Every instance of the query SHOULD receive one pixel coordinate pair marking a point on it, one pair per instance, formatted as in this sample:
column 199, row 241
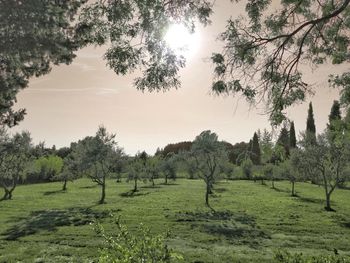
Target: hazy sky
column 70, row 102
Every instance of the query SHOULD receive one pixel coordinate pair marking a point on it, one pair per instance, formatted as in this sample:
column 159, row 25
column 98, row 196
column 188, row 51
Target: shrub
column 125, row 247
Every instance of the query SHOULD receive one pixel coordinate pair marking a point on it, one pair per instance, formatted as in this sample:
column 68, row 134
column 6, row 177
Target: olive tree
column 135, row 171
column 70, row 170
column 97, row 156
column 152, row 170
column 286, row 171
column 169, row 167
column 247, row 168
column 14, row 159
column 269, row 173
column 327, row 161
column 208, row 154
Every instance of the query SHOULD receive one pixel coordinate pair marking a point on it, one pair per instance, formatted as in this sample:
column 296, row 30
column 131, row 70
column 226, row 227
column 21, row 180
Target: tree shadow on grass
column 150, row 187
column 89, row 186
column 311, row 200
column 345, row 224
column 285, row 190
column 168, row 184
column 238, row 228
column 50, row 220
column 132, row 194
column 342, row 220
column 219, row 190
column 55, row 192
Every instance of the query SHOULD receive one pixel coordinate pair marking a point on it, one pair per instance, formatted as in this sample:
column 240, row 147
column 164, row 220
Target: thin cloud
column 84, row 67
column 98, row 91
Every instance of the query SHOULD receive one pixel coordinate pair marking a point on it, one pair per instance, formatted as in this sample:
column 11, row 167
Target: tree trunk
column 135, row 185
column 293, row 191
column 262, row 181
column 64, row 188
column 166, row 179
column 153, row 184
column 207, row 195
column 273, row 184
column 103, row 194
column 328, row 202
column 5, row 197
column 10, row 193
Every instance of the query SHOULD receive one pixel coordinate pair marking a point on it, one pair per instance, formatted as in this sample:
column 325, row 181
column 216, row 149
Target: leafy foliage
column 292, row 136
column 97, row 157
column 125, row 247
column 247, row 168
column 208, row 154
column 169, row 167
column 48, row 167
column 326, row 161
column 135, row 171
column 14, row 160
column 284, row 140
column 255, row 150
column 139, row 43
column 34, row 35
column 37, row 34
column 263, row 50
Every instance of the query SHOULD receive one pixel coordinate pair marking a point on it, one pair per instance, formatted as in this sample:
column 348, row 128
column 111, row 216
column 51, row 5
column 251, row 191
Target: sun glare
column 179, row 38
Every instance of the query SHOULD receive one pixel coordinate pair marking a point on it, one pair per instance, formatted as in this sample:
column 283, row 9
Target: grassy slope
column 45, row 225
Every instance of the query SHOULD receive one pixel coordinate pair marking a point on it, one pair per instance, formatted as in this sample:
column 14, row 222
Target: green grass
column 43, row 224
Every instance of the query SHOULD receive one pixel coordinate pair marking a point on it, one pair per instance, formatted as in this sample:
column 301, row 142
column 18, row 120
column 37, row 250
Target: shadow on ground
column 50, row 220
column 169, row 184
column 238, row 228
column 55, row 192
column 131, row 194
column 285, row 190
column 342, row 220
column 89, row 186
column 311, row 200
column 150, row 187
column 220, row 190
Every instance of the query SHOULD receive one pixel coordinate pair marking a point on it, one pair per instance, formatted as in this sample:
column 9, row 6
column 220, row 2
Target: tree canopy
column 261, row 58
column 263, row 50
column 36, row 34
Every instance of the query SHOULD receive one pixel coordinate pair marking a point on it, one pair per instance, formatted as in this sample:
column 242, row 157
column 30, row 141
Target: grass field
column 43, row 224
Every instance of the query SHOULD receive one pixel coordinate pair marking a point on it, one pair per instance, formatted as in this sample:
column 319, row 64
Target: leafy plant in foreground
column 125, row 247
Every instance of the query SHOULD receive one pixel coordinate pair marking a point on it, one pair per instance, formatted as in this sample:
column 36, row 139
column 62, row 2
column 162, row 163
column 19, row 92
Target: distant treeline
column 234, row 151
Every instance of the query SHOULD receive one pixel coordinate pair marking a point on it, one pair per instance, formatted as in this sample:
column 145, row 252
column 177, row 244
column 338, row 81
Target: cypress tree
column 310, row 126
column 255, row 150
column 335, row 112
column 334, row 118
column 283, row 139
column 292, row 137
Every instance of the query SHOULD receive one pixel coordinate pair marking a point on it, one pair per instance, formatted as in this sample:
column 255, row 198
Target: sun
column 182, row 41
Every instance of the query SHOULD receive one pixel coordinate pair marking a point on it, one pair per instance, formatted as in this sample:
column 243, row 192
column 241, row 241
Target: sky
column 72, row 101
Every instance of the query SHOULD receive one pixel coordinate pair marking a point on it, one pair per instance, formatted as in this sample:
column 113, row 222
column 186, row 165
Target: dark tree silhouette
column 292, row 136
column 263, row 50
column 310, row 126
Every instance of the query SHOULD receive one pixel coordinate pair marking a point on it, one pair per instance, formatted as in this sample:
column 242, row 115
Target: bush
column 124, row 247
